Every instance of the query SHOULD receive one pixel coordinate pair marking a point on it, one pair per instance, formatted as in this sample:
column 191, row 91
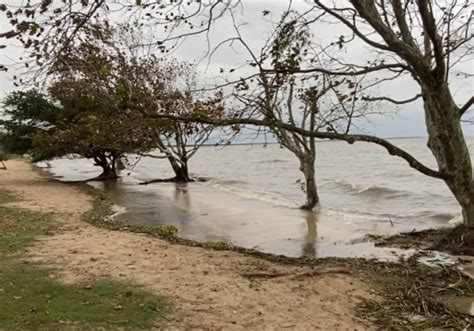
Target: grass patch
column 19, row 228
column 6, row 197
column 31, row 299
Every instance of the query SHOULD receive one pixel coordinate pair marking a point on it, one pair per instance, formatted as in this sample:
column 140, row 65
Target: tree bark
column 307, row 168
column 180, row 170
column 109, row 169
column 107, row 173
column 120, row 164
column 448, row 145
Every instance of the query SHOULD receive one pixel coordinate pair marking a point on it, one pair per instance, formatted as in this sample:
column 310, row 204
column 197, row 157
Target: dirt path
column 209, row 289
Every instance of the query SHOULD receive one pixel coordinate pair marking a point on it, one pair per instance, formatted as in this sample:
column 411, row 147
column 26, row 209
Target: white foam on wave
column 272, row 198
column 116, row 211
column 369, row 189
column 352, row 217
column 456, row 219
column 280, row 201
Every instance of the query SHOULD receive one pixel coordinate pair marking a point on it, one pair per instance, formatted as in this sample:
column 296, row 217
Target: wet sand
column 210, row 289
column 202, row 213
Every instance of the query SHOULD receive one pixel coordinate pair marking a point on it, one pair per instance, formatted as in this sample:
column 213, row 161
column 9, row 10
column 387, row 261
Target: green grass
column 19, row 228
column 30, row 299
column 6, row 197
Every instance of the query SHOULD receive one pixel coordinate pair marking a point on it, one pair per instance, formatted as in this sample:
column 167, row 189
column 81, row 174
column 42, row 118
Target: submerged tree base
column 168, row 180
column 106, row 175
column 308, row 208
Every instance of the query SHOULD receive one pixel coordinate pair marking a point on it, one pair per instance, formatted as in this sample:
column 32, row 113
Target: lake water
column 252, row 194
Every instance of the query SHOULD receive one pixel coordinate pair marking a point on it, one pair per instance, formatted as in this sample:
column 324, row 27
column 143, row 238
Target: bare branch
column 345, row 72
column 397, row 102
column 466, row 107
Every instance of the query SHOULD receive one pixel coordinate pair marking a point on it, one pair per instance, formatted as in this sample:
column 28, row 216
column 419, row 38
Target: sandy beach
column 210, row 290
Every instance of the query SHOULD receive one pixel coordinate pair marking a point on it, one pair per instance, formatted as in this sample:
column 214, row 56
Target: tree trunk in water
column 447, row 143
column 108, row 173
column 180, row 170
column 109, row 169
column 312, row 198
column 120, row 164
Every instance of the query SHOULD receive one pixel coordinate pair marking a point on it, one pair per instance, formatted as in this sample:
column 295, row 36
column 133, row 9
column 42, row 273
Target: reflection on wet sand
column 202, row 213
column 309, row 247
column 181, row 196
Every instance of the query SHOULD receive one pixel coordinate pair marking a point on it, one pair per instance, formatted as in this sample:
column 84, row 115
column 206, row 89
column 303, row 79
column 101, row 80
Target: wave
column 280, row 201
column 371, row 190
column 230, row 182
column 354, row 217
column 272, row 198
column 449, row 218
column 456, row 219
column 270, row 161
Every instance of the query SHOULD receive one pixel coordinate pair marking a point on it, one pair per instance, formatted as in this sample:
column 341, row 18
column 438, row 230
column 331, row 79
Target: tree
column 87, row 113
column 24, row 113
column 71, row 124
column 113, row 88
column 97, row 99
column 102, row 136
column 183, row 139
column 169, row 86
column 312, row 103
column 424, row 40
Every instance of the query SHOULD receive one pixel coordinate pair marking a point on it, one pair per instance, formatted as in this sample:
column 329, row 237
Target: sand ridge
column 210, row 290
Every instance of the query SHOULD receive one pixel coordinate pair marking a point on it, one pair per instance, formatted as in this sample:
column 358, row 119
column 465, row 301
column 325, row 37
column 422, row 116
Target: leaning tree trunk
column 180, row 169
column 447, row 143
column 307, row 168
column 109, row 169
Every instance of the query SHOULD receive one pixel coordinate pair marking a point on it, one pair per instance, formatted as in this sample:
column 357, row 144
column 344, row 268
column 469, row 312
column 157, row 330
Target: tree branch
column 397, row 102
column 350, row 138
column 345, row 72
column 466, row 106
column 352, row 26
column 429, row 25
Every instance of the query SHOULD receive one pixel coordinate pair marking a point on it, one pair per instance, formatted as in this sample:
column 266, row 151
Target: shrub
column 3, row 155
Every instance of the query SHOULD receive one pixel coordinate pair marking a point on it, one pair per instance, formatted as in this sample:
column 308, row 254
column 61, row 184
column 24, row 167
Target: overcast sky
column 407, row 122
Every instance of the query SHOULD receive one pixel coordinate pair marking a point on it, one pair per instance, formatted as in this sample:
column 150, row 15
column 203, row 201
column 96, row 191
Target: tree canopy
column 25, row 113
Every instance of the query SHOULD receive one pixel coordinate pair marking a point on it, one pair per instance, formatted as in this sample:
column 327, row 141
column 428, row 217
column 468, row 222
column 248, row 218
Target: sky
column 406, row 121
